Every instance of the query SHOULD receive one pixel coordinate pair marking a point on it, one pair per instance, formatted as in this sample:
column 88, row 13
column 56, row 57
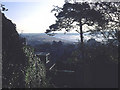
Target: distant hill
column 39, row 38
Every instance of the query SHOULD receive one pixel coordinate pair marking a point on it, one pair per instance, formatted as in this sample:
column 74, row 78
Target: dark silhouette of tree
column 101, row 16
column 3, row 7
column 76, row 14
column 111, row 12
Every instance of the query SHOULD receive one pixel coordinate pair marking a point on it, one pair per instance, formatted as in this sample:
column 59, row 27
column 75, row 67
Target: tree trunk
column 81, row 32
column 81, row 37
column 81, row 59
column 86, row 78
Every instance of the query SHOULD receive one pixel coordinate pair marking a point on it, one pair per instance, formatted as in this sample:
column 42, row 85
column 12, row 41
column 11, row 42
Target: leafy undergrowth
column 35, row 73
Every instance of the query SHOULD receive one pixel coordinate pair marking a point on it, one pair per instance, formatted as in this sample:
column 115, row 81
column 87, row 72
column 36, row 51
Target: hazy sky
column 32, row 16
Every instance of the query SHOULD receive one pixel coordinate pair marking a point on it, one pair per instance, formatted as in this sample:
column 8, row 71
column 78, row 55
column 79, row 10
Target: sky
column 32, row 17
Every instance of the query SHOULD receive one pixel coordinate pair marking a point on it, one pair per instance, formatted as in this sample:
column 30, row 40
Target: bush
column 35, row 73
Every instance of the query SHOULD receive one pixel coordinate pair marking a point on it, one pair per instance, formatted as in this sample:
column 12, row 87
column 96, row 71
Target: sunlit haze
column 32, row 17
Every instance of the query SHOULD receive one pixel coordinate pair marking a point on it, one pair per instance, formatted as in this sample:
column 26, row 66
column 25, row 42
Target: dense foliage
column 20, row 67
column 95, row 65
column 13, row 58
column 99, row 68
column 65, row 50
column 35, row 73
column 83, row 17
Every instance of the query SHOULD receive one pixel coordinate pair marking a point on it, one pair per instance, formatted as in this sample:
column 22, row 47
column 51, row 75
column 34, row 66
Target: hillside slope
column 16, row 62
